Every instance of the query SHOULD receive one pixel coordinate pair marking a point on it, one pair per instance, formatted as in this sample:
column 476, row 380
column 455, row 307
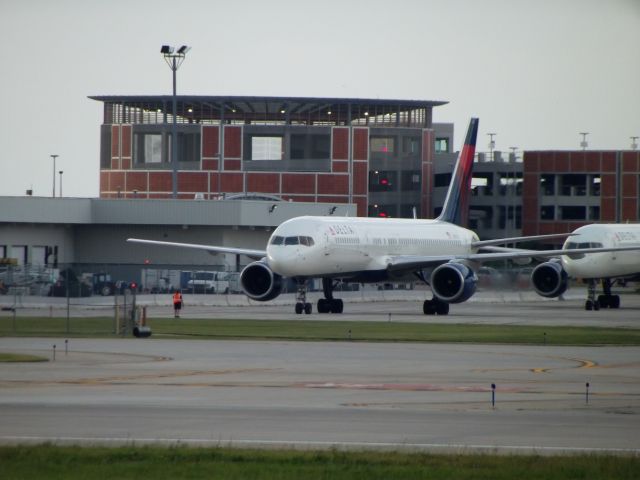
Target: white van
column 209, row 282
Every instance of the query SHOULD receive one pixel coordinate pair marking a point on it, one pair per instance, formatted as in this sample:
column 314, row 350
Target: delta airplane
column 550, row 279
column 439, row 252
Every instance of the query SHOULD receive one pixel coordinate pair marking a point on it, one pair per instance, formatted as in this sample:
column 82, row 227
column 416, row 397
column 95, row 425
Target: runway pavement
column 318, row 395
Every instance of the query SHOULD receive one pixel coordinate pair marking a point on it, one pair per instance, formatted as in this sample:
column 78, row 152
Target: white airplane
column 438, row 252
column 550, row 279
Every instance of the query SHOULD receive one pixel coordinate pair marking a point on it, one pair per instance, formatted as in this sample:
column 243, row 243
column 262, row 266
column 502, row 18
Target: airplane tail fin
column 456, row 204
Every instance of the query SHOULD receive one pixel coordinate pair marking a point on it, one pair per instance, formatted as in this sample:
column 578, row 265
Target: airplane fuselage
column 608, row 264
column 359, row 247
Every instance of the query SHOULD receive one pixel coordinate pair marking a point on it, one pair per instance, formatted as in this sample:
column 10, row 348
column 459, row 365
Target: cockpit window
column 277, row 240
column 308, row 241
column 291, row 241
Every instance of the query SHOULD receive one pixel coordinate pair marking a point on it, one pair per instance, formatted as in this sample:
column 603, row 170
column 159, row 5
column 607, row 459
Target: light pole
column 584, row 143
column 634, row 143
column 53, row 194
column 492, row 144
column 60, row 172
column 174, row 60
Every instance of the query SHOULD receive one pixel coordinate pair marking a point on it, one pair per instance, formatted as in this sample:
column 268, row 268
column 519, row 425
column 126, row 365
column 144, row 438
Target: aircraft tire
column 588, row 305
column 323, row 305
column 299, row 308
column 604, row 301
column 428, row 307
column 307, row 308
column 614, row 301
column 336, row 305
column 442, row 308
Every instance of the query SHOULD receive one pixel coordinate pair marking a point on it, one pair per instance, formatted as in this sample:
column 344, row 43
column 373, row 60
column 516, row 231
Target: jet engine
column 549, row 279
column 259, row 282
column 453, row 282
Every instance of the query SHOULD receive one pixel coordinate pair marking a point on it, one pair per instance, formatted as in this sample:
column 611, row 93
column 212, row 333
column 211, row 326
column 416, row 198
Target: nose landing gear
column 301, row 298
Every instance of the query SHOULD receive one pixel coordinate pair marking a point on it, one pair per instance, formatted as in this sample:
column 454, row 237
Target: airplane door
column 327, row 250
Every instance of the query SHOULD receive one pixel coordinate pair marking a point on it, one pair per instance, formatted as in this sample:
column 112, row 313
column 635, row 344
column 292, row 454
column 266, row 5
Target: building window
column 573, row 213
column 407, row 210
column 154, row 148
column 411, row 145
column 442, row 179
column 548, row 184
column 382, row 181
column 572, row 185
column 594, row 212
column 594, row 187
column 147, row 148
column 105, row 146
column 547, row 212
column 188, row 147
column 266, row 148
column 442, row 145
column 410, row 180
column 382, row 144
column 382, row 211
column 310, row 146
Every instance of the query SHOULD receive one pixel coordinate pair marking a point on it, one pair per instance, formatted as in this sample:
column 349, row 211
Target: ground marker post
column 389, row 317
column 587, row 393
column 54, row 353
column 493, row 395
column 545, row 337
column 66, row 346
column 349, row 334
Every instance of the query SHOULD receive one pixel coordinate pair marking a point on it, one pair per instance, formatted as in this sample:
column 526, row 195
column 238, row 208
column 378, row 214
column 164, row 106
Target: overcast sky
column 536, row 72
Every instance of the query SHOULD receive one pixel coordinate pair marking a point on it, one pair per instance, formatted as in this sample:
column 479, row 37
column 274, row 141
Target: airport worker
column 177, row 303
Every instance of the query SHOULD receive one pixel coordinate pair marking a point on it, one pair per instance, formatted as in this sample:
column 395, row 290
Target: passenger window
column 277, row 240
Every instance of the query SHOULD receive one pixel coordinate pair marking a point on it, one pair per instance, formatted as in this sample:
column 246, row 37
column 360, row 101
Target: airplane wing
column 416, row 262
column 257, row 254
column 502, row 241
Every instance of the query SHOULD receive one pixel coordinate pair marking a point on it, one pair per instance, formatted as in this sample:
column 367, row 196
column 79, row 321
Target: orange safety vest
column 177, row 297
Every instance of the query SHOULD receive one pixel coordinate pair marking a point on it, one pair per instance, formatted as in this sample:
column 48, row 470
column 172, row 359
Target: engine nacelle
column 453, row 282
column 549, row 279
column 259, row 282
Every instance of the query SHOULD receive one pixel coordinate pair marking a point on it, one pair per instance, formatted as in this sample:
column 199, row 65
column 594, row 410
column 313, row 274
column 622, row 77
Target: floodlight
column 166, row 49
column 183, row 49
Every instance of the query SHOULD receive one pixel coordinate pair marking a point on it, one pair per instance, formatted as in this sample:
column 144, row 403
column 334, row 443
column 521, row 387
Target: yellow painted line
column 540, row 370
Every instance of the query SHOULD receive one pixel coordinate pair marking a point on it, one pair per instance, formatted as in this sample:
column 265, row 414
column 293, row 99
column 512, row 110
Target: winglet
column 456, row 204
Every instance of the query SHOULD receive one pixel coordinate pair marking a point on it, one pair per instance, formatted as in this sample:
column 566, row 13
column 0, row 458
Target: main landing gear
column 329, row 304
column 435, row 306
column 301, row 298
column 604, row 301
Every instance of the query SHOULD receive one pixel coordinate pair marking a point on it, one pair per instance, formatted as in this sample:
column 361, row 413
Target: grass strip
column 322, row 330
column 310, row 330
column 18, row 358
column 131, row 462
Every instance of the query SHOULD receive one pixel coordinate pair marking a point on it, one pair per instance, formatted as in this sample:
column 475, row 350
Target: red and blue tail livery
column 456, row 204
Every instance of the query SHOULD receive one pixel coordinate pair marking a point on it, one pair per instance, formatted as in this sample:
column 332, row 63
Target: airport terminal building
column 376, row 154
